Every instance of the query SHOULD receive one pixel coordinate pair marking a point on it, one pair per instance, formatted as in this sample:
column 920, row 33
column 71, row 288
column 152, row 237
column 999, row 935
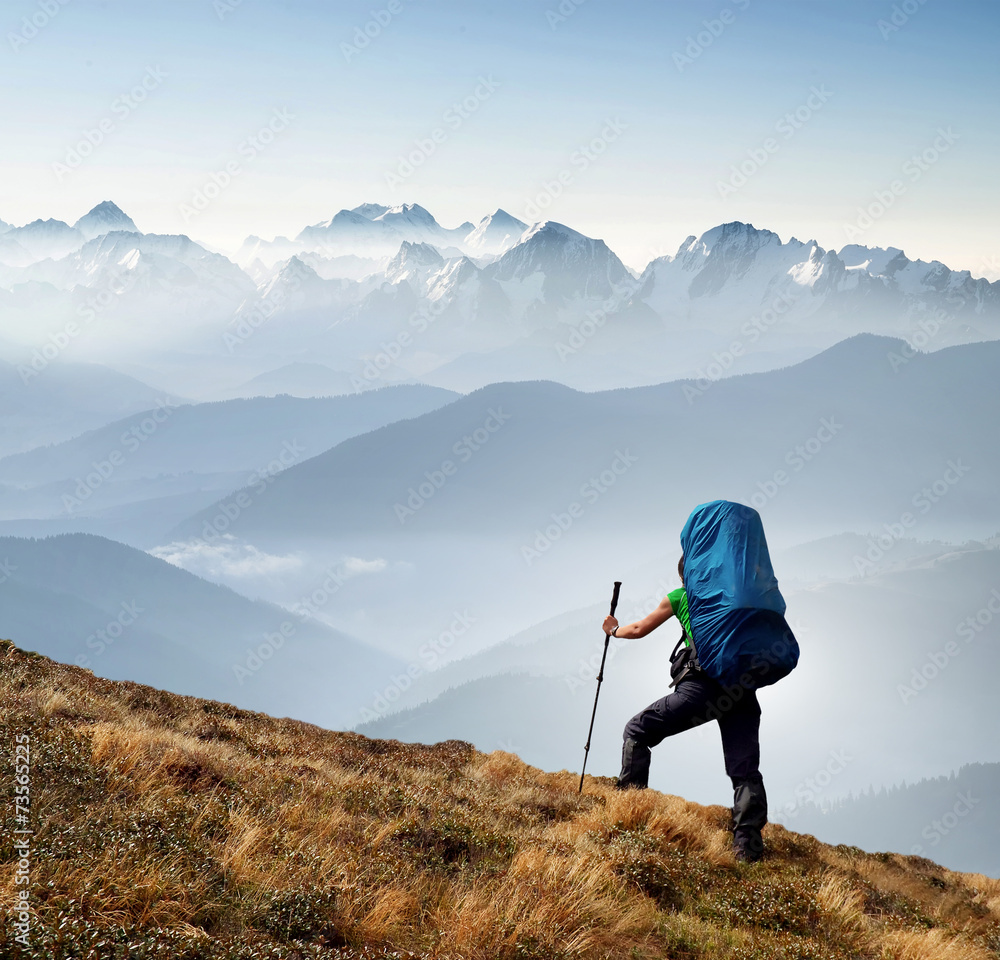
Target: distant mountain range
column 52, row 402
column 386, row 294
column 954, row 820
column 126, row 615
column 541, row 493
column 542, row 446
column 134, row 479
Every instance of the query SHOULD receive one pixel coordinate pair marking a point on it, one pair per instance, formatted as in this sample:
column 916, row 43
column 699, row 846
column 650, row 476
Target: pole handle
column 614, row 597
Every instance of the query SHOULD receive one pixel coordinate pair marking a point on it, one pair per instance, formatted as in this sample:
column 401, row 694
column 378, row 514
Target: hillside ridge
column 165, row 825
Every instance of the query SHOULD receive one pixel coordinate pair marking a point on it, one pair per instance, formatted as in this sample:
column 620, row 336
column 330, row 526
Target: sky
column 637, row 122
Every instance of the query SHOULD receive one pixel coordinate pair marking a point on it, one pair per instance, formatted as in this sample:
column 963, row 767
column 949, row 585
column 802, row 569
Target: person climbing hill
column 735, row 641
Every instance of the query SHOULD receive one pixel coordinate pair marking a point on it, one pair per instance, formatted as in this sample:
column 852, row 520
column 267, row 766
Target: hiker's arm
column 633, row 631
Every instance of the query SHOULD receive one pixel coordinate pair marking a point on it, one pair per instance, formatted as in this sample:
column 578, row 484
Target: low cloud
column 227, row 559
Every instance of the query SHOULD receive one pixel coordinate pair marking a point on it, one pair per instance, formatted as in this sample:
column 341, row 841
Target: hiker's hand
column 609, row 624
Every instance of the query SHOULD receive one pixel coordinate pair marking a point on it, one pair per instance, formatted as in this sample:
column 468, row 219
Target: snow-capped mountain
column 413, row 262
column 104, row 218
column 23, row 246
column 738, row 280
column 494, row 235
column 390, row 292
column 151, row 261
column 571, row 265
column 38, row 240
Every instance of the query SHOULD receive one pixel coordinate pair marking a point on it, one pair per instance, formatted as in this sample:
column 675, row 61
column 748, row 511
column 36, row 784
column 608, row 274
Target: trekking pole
column 600, row 679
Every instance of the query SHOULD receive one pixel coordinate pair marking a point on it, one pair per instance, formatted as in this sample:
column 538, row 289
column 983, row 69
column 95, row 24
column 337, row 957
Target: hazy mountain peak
column 370, row 210
column 40, row 226
column 501, row 216
column 344, row 217
column 423, row 254
column 104, row 218
column 736, row 235
column 871, row 259
column 410, row 213
column 550, row 229
column 495, row 234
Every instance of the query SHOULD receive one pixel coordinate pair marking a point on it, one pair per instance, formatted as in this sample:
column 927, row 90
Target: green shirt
column 679, row 601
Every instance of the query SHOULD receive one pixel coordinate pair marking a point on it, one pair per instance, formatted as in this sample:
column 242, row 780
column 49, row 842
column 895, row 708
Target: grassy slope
column 169, row 826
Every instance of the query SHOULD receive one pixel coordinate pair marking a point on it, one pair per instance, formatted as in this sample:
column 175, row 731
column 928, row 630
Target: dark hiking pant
column 697, row 700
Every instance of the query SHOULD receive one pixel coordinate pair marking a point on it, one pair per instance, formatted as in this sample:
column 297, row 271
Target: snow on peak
column 550, row 230
column 495, row 234
column 104, row 218
column 503, row 218
column 736, row 234
column 416, row 253
column 873, row 260
column 370, row 210
column 408, row 213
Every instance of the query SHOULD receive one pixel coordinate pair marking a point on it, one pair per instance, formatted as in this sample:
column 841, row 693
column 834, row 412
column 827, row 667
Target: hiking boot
column 748, row 846
column 623, row 784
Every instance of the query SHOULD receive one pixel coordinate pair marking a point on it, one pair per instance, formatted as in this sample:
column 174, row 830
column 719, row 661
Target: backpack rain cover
column 735, row 607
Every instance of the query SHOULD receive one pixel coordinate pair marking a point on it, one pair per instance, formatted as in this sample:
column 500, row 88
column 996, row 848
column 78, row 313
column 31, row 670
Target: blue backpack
column 736, row 610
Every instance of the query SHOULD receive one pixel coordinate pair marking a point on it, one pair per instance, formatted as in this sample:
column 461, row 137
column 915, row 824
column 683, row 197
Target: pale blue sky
column 552, row 87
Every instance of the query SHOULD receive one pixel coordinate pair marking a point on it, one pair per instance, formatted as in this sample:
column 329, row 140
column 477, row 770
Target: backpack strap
column 683, row 660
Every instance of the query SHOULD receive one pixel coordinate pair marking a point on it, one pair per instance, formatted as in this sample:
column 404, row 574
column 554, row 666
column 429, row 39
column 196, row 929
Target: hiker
column 747, row 646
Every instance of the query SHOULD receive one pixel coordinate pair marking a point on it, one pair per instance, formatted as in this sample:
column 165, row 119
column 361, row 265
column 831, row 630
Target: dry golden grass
column 169, row 826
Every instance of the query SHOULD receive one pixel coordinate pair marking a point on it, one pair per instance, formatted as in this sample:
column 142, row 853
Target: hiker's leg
column 681, row 710
column 740, row 727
